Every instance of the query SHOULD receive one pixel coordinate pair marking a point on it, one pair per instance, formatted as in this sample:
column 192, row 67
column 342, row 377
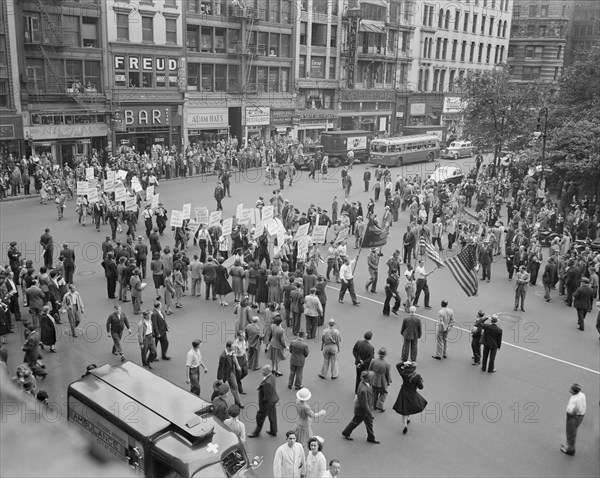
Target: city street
column 510, row 423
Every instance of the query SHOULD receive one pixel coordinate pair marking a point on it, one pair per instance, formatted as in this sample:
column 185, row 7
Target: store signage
column 454, row 104
column 67, row 131
column 147, row 116
column 258, row 115
column 318, row 115
column 207, row 118
column 282, row 117
column 368, row 95
column 417, row 109
column 352, row 39
column 146, row 63
column 7, row 131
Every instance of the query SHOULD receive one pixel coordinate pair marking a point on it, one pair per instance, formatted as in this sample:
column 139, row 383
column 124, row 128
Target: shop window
column 220, row 40
column 171, row 30
column 207, row 78
column 147, row 29
column 319, row 34
column 220, row 77
column 89, row 30
column 273, row 44
column 206, row 44
column 193, row 72
column 317, row 67
column 192, row 38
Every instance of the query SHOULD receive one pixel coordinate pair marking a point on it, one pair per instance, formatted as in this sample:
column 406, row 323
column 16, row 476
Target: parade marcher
column 476, row 333
column 391, row 291
column 73, row 304
column 267, row 401
column 146, row 339
column 411, row 332
column 444, row 325
column 363, row 408
column 409, row 401
column 289, row 461
column 68, row 259
column 492, row 341
column 193, row 362
column 421, row 277
column 363, row 352
column 583, row 298
column 373, row 266
column 576, row 409
column 111, row 274
column 298, row 353
column 347, row 278
column 116, row 323
column 381, row 379
column 141, row 256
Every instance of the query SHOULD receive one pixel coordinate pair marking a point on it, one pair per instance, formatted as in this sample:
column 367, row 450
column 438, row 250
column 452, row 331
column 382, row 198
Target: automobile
column 309, row 152
column 458, row 149
column 447, row 174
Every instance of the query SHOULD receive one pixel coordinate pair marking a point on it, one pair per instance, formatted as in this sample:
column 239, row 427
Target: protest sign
column 214, row 218
column 201, row 214
column 319, row 234
column 227, row 226
column 302, row 231
column 130, row 203
column 82, row 188
column 239, row 210
column 89, row 173
column 111, row 175
column 149, row 193
column 187, row 210
column 154, row 204
column 176, row 218
column 120, row 193
column 267, row 213
column 92, row 195
column 108, row 185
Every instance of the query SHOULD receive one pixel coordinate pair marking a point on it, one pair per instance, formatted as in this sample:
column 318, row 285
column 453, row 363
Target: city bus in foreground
column 403, row 150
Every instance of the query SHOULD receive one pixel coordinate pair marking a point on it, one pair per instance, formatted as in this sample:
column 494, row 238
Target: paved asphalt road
column 506, row 424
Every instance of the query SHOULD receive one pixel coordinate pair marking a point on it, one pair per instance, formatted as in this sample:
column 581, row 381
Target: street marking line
column 540, row 354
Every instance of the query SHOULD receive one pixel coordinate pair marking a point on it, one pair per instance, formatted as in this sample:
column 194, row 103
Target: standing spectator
column 196, row 275
column 110, row 273
column 522, row 281
column 254, row 334
column 298, row 353
column 381, row 379
column 476, row 333
column 178, row 284
column 582, row 301
column 222, row 287
column 146, row 339
column 367, row 179
column 74, row 305
column 219, row 195
column 575, row 412
column 486, row 255
column 312, row 311
column 193, row 361
column 227, row 370
column 209, row 271
column 550, row 277
column 157, row 268
column 68, row 260
column 409, row 401
column 160, row 330
column 14, row 260
column 363, row 409
column 334, row 469
column 220, row 408
column 297, row 306
column 492, row 341
column 141, row 256
column 169, row 293
column 136, row 284
column 421, row 276
column 363, row 353
column 411, row 332
column 289, row 461
column 444, row 325
column 47, row 243
column 277, row 344
column 36, row 299
column 330, row 345
column 267, row 401
column 116, row 323
column 347, row 278
column 306, row 416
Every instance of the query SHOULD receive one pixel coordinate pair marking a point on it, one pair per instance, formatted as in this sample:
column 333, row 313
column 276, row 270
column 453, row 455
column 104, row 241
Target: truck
column 337, row 144
column 154, row 427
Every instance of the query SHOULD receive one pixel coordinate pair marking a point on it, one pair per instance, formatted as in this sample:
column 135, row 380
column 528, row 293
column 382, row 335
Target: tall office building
column 583, row 30
column 538, row 38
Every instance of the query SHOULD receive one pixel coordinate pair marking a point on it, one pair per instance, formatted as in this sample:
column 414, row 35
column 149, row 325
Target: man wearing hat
column 373, row 266
column 582, row 300
column 193, row 362
column 575, row 411
column 135, row 283
column 147, row 215
column 161, row 218
column 476, row 334
column 115, row 325
column 267, row 401
column 220, row 407
column 330, row 345
column 14, row 260
column 68, row 261
column 411, row 332
column 298, row 353
column 492, row 341
column 549, row 277
column 141, row 256
column 363, row 408
column 381, row 379
column 146, row 339
column 219, row 195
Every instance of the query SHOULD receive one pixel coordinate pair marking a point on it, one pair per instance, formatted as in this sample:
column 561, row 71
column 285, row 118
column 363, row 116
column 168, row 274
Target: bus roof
column 406, row 139
column 166, row 401
column 349, row 132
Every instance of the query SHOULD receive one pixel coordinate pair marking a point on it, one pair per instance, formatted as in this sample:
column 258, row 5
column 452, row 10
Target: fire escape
column 247, row 16
column 52, row 48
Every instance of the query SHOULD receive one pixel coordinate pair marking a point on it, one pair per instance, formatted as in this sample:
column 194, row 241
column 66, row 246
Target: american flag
column 431, row 252
column 463, row 269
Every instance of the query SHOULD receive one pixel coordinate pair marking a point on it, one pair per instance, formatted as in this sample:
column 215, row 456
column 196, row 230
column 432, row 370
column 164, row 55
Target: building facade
column 239, row 68
column 583, row 30
column 538, row 38
column 61, row 83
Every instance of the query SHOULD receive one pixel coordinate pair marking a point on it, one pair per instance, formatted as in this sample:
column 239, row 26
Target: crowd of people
column 275, row 284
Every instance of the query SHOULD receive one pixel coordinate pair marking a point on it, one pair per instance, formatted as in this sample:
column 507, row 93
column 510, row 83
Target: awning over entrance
column 371, row 27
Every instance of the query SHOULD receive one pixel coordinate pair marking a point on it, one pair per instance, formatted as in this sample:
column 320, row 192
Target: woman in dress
column 316, row 464
column 178, row 284
column 48, row 329
column 262, row 294
column 251, row 275
column 237, row 279
column 169, row 293
column 274, row 287
column 305, row 417
column 158, row 273
column 277, row 345
column 222, row 287
column 409, row 401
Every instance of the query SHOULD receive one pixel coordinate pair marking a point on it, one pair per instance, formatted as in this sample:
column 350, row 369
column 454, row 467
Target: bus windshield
column 378, row 148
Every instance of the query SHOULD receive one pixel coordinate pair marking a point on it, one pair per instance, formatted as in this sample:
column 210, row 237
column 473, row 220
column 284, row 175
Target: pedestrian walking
column 363, row 409
column 47, row 243
column 409, row 401
column 381, row 379
column 137, row 286
column 476, row 333
column 549, row 277
column 330, row 345
column 373, row 267
column 161, row 329
column 444, row 325
column 575, row 412
column 306, row 417
column 47, row 328
column 111, row 274
column 289, row 461
column 347, row 278
column 240, row 352
column 235, row 424
column 277, row 345
column 492, row 341
column 254, row 336
column 146, row 339
column 298, row 353
column 312, row 311
column 267, row 401
column 73, row 304
column 582, row 301
column 115, row 325
column 363, row 353
column 193, row 362
column 521, row 283
column 68, row 259
column 421, row 277
column 227, row 370
column 316, row 464
column 411, row 332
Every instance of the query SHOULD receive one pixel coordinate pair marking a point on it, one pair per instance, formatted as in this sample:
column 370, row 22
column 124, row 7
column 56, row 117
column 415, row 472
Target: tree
column 499, row 110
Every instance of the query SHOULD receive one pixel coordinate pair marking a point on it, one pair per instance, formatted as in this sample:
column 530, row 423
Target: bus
column 404, row 150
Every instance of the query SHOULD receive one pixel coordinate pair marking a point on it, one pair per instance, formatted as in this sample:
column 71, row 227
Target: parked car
column 447, row 174
column 458, row 149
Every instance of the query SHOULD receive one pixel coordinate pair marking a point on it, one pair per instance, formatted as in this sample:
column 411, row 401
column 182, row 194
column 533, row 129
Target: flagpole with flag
column 431, row 252
column 463, row 268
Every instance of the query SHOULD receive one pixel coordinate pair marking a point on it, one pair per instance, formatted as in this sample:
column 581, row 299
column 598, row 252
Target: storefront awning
column 371, row 27
column 379, row 3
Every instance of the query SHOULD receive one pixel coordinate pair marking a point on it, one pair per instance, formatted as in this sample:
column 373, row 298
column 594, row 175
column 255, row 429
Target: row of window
column 534, row 52
column 122, row 20
column 502, row 4
column 534, row 30
column 529, row 73
column 65, row 76
column 441, row 51
column 535, row 10
column 55, row 29
column 274, row 11
column 439, row 79
column 316, row 67
column 225, row 78
column 55, row 119
column 444, row 20
column 318, row 35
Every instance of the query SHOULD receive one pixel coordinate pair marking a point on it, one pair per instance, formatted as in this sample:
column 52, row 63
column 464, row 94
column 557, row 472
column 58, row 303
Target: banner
column 302, row 231
column 108, row 185
column 342, row 236
column 154, row 204
column 227, row 226
column 214, row 219
column 120, row 194
column 92, row 195
column 319, row 234
column 267, row 213
column 82, row 188
column 374, row 236
column 176, row 218
column 92, row 184
column 239, row 210
column 187, row 211
column 130, row 203
column 149, row 193
column 201, row 214
column 89, row 173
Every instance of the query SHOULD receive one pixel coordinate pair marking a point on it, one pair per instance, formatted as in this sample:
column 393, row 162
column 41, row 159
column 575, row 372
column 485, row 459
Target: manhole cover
column 509, row 317
column 86, row 273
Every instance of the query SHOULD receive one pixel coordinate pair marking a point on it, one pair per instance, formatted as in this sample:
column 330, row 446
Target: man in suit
column 572, row 281
column 363, row 408
column 141, row 256
column 74, row 305
column 47, row 243
column 209, row 271
column 146, row 339
column 267, row 401
column 154, row 238
column 14, row 260
column 363, row 353
column 476, row 334
column 110, row 272
column 35, row 299
column 298, row 354
column 550, row 277
column 492, row 341
column 13, row 293
column 107, row 246
column 582, row 301
column 160, row 330
column 196, row 275
column 116, row 323
column 68, row 260
column 411, row 331
column 296, row 304
column 227, row 371
column 135, row 282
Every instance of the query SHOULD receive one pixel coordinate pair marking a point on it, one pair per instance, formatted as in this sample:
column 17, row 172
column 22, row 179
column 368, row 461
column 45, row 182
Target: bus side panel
column 108, row 437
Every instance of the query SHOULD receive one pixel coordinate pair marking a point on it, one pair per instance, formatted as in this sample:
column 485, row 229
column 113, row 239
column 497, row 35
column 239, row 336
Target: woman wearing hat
column 409, row 401
column 237, row 274
column 48, row 330
column 305, row 417
column 316, row 464
column 222, row 287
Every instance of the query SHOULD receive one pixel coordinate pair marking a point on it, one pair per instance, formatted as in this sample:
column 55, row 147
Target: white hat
column 303, row 394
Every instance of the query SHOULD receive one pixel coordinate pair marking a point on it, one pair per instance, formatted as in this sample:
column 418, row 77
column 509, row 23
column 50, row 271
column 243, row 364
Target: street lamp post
column 543, row 114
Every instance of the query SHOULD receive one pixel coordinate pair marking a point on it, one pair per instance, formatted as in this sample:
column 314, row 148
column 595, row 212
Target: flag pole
column 359, row 250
